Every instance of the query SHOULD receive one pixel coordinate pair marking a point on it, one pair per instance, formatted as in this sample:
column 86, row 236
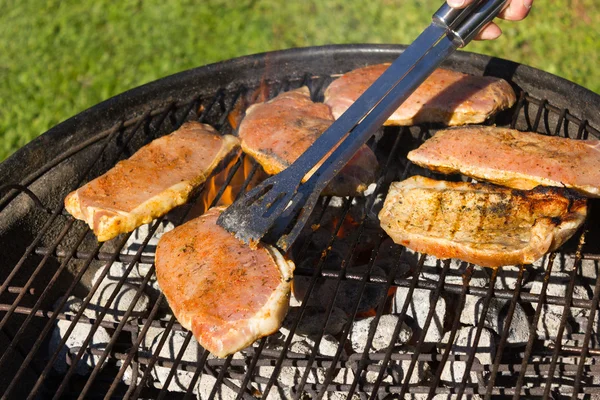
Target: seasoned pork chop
column 447, row 97
column 227, row 294
column 483, row 224
column 508, row 157
column 157, row 178
column 277, row 132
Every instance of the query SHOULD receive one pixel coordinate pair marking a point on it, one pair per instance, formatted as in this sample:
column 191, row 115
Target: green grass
column 58, row 58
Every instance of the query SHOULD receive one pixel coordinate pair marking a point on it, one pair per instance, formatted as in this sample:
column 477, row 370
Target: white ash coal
column 182, row 379
column 589, row 269
column 496, row 318
column 383, row 336
column 464, row 341
column 205, row 387
column 75, row 341
column 136, row 240
column 170, row 350
column 309, row 331
column 551, row 314
column 507, row 277
column 340, row 396
column 396, row 371
column 140, row 270
column 128, row 375
column 124, row 298
column 418, row 309
column 289, row 377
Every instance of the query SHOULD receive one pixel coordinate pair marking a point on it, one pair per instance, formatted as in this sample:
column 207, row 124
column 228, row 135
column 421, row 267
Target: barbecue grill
column 369, row 319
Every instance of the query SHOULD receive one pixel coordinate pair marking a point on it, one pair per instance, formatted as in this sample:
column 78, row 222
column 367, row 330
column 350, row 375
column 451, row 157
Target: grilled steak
column 447, row 97
column 157, row 178
column 479, row 223
column 227, row 294
column 520, row 160
column 277, row 132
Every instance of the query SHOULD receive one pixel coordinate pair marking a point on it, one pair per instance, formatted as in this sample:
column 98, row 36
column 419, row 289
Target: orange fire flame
column 260, row 95
column 214, row 184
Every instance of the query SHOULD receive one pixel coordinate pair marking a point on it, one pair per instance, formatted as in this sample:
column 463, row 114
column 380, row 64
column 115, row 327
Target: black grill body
column 47, row 255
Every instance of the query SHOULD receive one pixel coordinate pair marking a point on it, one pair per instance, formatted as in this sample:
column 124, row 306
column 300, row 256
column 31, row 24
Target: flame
column 260, row 95
column 214, row 184
column 348, row 226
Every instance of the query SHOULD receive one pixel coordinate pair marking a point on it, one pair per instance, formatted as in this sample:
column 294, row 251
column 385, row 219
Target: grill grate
column 564, row 365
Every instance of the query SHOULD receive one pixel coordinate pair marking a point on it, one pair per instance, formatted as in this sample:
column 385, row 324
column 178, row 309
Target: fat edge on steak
column 157, row 178
column 483, row 224
column 226, row 293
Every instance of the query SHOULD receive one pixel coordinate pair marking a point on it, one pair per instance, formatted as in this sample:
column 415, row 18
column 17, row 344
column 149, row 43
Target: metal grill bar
column 563, row 320
column 470, row 391
column 32, row 277
column 309, row 290
column 348, row 325
column 124, row 319
column 585, row 350
column 32, row 312
column 432, row 304
column 398, row 328
column 136, row 340
column 300, row 360
column 505, row 333
column 486, row 303
column 453, row 331
column 86, row 302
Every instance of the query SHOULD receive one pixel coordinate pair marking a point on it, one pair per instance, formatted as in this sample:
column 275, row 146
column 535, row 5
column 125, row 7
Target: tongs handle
column 464, row 24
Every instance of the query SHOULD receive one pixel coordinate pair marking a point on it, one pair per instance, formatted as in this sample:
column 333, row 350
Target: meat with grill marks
column 509, row 157
column 226, row 293
column 447, row 97
column 483, row 224
column 277, row 132
column 157, row 178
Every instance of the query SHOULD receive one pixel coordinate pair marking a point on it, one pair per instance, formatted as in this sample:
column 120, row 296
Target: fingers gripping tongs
column 281, row 205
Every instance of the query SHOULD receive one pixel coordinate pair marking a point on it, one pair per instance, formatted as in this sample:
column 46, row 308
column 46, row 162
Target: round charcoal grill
column 376, row 320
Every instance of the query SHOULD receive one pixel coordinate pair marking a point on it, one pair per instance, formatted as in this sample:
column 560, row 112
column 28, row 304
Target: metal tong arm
column 461, row 24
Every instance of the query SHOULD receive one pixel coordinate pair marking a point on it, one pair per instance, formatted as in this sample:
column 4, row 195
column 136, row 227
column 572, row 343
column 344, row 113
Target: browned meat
column 227, row 294
column 277, row 132
column 479, row 223
column 157, row 178
column 447, row 97
column 508, row 157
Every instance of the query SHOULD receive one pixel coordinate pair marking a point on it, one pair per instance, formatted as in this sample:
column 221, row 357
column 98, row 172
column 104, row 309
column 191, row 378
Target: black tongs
column 281, row 205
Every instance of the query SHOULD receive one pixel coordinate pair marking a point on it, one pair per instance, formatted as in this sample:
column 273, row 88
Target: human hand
column 516, row 10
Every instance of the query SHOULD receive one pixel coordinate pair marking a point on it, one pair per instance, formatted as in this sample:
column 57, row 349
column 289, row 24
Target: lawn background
column 58, row 58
